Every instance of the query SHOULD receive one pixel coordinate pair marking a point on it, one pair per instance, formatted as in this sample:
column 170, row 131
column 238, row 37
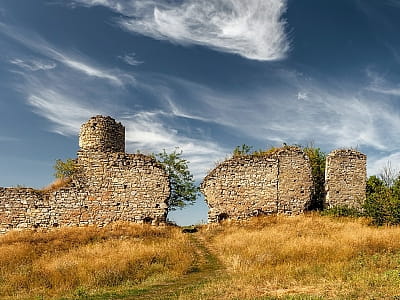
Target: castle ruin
column 109, row 185
column 281, row 182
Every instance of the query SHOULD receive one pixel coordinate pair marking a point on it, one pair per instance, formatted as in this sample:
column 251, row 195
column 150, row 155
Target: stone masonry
column 109, row 185
column 248, row 185
column 345, row 178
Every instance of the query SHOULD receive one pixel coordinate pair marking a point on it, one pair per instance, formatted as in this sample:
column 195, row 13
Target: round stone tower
column 102, row 134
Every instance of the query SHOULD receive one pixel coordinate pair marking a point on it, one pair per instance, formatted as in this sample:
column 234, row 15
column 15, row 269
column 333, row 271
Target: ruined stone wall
column 19, row 207
column 345, row 178
column 109, row 185
column 295, row 183
column 129, row 187
column 22, row 208
column 243, row 186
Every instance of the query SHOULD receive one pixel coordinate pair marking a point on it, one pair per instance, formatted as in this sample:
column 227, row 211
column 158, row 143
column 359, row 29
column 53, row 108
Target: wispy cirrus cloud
column 33, row 64
column 77, row 62
column 254, row 29
column 379, row 84
column 65, row 113
column 149, row 131
column 332, row 117
column 55, row 97
column 130, row 59
column 145, row 131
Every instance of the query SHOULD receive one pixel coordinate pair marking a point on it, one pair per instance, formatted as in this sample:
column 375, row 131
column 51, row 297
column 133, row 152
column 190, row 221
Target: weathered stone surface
column 110, row 185
column 244, row 186
column 345, row 178
column 102, row 134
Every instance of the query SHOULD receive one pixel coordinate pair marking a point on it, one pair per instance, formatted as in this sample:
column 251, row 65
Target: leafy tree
column 183, row 188
column 317, row 162
column 65, row 168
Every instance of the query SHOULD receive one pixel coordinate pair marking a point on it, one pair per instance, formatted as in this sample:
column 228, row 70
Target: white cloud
column 302, row 96
column 331, row 117
column 146, row 132
column 379, row 84
column 33, row 65
column 130, row 59
column 376, row 164
column 55, row 97
column 65, row 113
column 76, row 62
column 253, row 28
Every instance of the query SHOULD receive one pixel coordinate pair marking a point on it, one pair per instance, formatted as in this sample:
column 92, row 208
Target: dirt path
column 206, row 268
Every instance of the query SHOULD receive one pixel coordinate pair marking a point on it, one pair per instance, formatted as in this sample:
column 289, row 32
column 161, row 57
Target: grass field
column 78, row 261
column 275, row 257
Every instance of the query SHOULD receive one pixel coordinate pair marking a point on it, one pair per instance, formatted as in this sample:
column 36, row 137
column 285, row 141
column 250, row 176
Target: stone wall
column 345, row 178
column 130, row 187
column 279, row 182
column 109, row 185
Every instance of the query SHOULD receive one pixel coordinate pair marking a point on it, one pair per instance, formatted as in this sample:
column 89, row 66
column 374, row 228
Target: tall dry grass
column 278, row 256
column 63, row 261
column 57, row 184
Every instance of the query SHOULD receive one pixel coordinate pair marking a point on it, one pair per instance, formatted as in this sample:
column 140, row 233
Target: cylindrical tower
column 102, row 134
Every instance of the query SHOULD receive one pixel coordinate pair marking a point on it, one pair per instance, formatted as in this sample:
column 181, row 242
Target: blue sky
column 202, row 75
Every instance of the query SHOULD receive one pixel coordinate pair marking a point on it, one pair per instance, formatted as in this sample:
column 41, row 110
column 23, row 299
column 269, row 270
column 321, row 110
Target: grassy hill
column 275, row 257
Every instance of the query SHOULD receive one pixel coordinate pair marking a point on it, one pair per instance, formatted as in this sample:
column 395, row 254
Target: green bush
column 382, row 203
column 342, row 211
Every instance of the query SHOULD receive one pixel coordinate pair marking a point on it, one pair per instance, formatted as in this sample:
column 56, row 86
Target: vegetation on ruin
column 183, row 188
column 317, row 162
column 65, row 169
column 382, row 204
column 57, row 184
column 269, row 257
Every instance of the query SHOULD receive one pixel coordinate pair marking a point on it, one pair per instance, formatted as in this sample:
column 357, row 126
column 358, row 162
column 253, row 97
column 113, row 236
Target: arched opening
column 222, row 217
column 147, row 220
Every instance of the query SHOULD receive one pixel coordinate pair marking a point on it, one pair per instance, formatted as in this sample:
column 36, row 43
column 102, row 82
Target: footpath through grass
column 205, row 268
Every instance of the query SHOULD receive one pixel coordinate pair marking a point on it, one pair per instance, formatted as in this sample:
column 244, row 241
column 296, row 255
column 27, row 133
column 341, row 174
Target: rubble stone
column 345, row 178
column 109, row 185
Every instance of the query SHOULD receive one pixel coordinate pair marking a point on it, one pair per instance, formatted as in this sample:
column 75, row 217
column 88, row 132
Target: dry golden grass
column 57, row 184
column 276, row 257
column 310, row 255
column 62, row 261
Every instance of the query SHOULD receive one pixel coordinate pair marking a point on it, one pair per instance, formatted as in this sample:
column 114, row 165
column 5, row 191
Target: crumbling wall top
column 102, row 134
column 347, row 153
